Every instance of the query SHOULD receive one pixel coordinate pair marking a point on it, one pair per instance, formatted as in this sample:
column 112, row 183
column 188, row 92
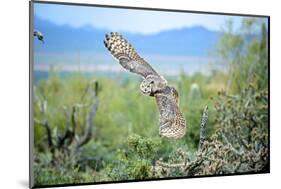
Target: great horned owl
column 172, row 122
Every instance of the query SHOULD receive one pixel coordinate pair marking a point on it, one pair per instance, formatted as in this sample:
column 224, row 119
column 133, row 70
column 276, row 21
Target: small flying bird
column 39, row 36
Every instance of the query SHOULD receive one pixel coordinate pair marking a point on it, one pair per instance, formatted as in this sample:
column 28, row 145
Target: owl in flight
column 172, row 122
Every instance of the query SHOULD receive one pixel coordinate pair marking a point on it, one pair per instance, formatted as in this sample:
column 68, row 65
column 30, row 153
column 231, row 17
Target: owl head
column 146, row 87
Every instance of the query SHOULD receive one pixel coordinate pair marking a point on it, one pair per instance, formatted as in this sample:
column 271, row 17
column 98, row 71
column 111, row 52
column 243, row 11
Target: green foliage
column 138, row 155
column 245, row 52
column 126, row 145
column 143, row 147
column 136, row 161
column 243, row 125
column 48, row 175
column 239, row 145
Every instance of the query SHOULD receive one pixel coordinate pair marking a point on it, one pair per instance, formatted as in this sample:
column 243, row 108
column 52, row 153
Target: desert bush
column 245, row 54
column 135, row 161
column 239, row 145
column 62, row 149
column 234, row 140
column 230, row 137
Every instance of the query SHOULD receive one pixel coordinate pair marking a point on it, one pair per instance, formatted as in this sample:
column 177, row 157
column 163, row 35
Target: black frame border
column 31, row 63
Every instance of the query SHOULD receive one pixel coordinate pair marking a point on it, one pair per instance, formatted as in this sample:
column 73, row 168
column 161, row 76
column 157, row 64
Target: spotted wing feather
column 172, row 121
column 125, row 53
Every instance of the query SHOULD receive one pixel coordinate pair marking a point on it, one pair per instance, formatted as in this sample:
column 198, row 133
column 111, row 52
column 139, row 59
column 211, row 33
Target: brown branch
column 94, row 106
column 68, row 133
column 42, row 102
column 46, row 125
column 89, row 131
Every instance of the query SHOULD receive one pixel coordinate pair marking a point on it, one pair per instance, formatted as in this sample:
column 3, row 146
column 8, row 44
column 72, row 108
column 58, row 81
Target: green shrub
column 239, row 145
column 136, row 161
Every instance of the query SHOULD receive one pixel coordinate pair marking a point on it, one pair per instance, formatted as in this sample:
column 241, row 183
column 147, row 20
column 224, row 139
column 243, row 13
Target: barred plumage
column 172, row 122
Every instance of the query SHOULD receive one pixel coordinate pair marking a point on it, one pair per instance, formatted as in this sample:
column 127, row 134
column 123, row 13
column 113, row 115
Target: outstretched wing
column 125, row 53
column 172, row 121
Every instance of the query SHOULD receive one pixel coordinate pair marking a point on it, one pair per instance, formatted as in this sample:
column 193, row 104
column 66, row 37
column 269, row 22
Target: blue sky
column 128, row 20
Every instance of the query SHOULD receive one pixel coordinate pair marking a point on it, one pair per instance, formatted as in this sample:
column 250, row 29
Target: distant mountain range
column 189, row 41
